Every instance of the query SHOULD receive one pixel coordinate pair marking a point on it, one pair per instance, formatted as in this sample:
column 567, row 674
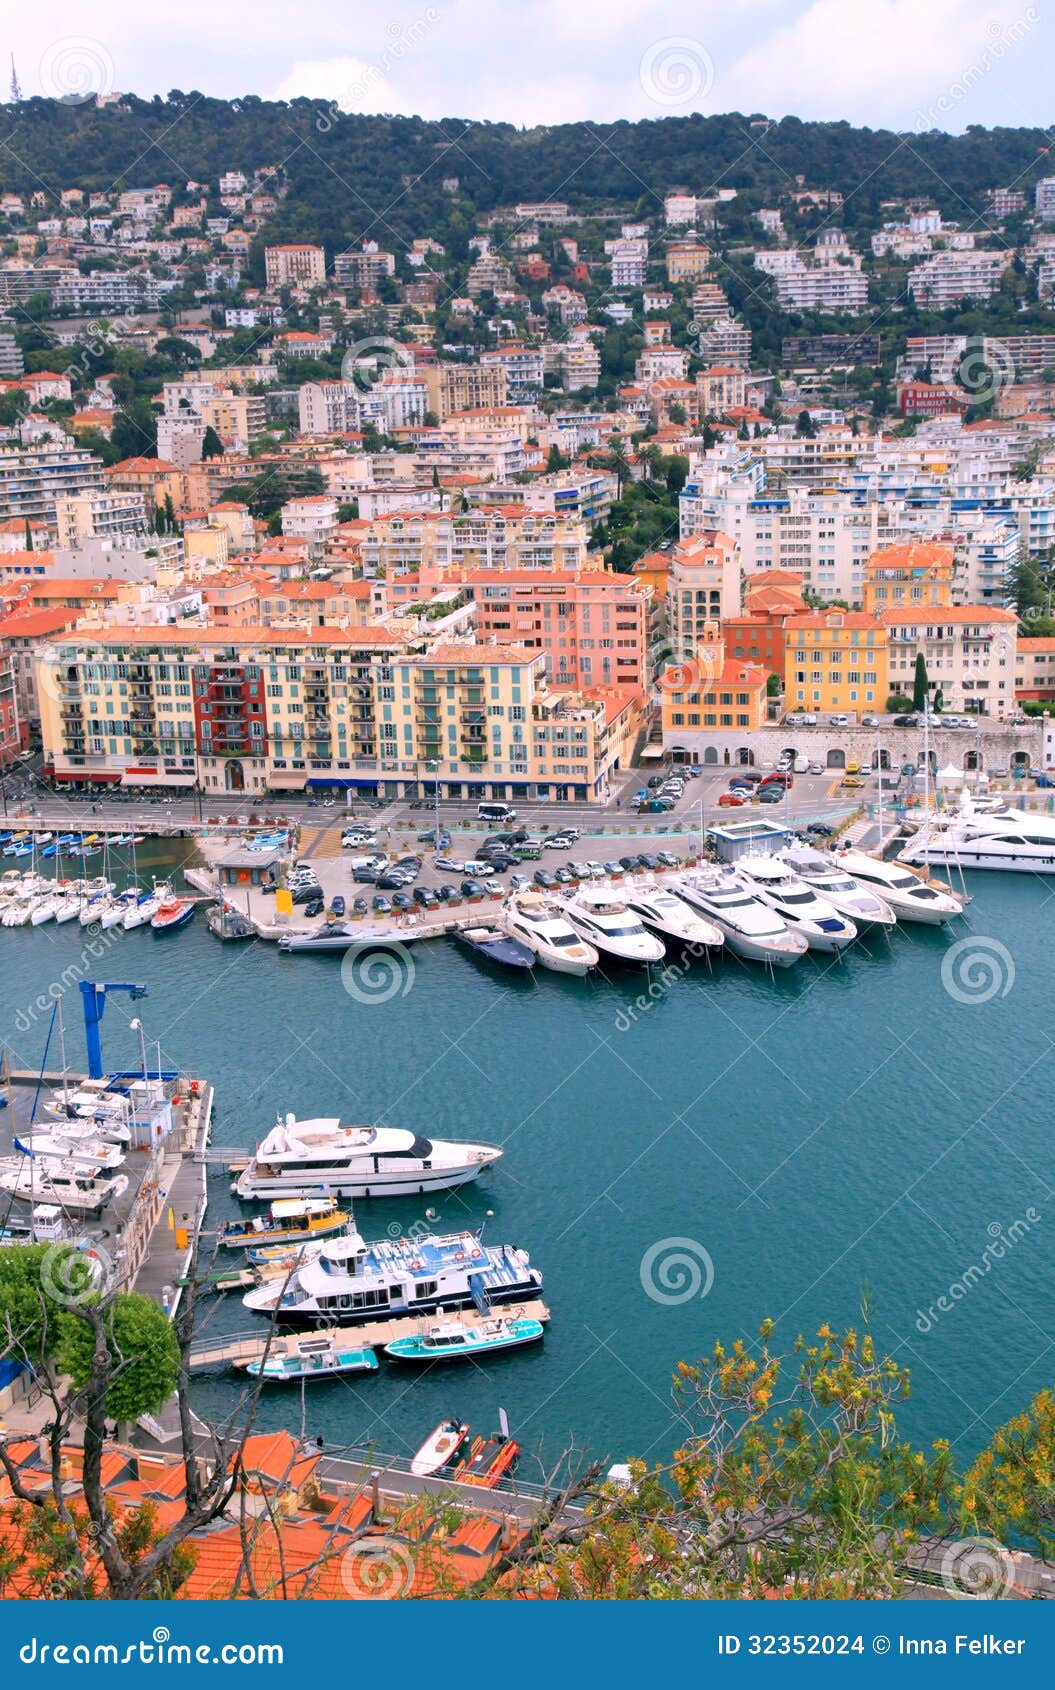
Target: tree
column 920, row 687
column 143, row 1353
column 897, row 703
column 28, row 536
column 805, row 425
column 211, row 445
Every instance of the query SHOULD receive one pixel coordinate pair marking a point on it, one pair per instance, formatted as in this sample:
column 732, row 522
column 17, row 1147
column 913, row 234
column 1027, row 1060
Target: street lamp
column 137, row 1027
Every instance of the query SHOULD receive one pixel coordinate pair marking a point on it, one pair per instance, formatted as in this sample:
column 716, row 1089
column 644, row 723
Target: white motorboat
column 353, row 1281
column 827, row 877
column 603, row 920
column 55, row 1145
column 62, row 1183
column 796, row 902
column 981, row 835
column 43, row 909
column 752, row 930
column 440, row 1448
column 543, row 927
column 302, row 1158
column 910, row 895
column 663, row 910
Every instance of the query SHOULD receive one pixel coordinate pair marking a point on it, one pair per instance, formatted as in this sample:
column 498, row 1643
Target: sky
column 904, row 64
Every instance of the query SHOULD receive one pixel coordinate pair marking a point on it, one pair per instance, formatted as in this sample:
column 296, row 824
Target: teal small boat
column 451, row 1340
column 312, row 1358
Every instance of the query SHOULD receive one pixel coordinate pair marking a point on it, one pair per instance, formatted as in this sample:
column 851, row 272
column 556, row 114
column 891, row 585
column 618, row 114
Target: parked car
column 870, row 721
column 448, row 865
column 393, row 881
column 360, row 907
column 654, row 781
column 777, row 777
column 494, row 887
column 307, row 895
column 612, row 868
column 337, row 904
column 545, row 879
column 382, row 905
column 426, row 897
column 839, row 721
column 557, row 842
column 356, row 841
column 367, row 876
column 647, row 860
column 477, row 867
column 668, row 859
column 472, row 889
column 770, row 794
column 731, row 800
column 402, row 901
column 851, row 783
column 906, row 721
column 799, row 719
column 822, row 830
column 816, row 769
column 752, row 776
column 628, row 864
column 414, row 863
column 594, row 869
column 519, row 882
column 569, row 832
column 563, row 876
column 315, row 907
column 446, row 893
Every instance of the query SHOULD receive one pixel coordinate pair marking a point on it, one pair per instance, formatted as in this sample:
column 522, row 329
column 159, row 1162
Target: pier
column 242, row 1347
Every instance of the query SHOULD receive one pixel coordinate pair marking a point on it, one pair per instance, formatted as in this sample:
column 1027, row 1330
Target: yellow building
column 835, row 660
column 710, row 700
column 919, row 573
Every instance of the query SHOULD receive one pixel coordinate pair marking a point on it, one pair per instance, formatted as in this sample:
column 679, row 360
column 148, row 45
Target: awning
column 103, row 777
column 345, row 780
column 155, row 777
column 287, row 780
column 653, row 754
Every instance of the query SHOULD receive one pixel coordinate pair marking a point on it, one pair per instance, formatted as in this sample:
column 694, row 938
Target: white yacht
column 663, row 910
column 799, row 904
column 54, row 1145
column 353, row 1281
column 911, row 897
column 984, row 835
column 298, row 1158
column 827, row 877
column 64, row 1183
column 603, row 920
column 752, row 930
column 543, row 927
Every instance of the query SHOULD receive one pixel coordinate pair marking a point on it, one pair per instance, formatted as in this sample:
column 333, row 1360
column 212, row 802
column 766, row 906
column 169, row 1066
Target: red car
column 781, row 777
column 730, row 800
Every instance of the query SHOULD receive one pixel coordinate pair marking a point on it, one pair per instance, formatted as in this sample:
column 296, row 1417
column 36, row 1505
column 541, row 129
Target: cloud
column 352, row 84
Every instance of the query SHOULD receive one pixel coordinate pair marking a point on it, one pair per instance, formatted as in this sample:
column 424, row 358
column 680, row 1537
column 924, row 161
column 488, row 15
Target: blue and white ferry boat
column 352, row 1280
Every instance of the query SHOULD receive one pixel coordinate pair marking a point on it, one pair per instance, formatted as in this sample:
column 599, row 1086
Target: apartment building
column 1044, row 198
column 593, row 626
column 93, row 515
column 1005, row 202
column 719, row 389
column 711, row 706
column 33, row 477
column 629, row 262
column 299, row 265
column 835, row 661
column 416, row 552
column 11, row 361
column 815, row 287
column 757, row 635
column 969, row 651
column 688, row 262
column 363, row 269
column 522, row 366
column 462, row 387
column 917, row 573
column 679, row 209
column 575, row 363
column 949, row 277
column 1035, row 667
column 238, row 418
column 703, row 587
column 726, row 342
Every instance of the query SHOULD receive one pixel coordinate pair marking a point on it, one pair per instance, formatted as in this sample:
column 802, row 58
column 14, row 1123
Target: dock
column 234, row 1350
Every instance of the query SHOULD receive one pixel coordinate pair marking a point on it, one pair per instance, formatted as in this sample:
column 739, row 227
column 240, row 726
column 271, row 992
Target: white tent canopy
column 950, row 773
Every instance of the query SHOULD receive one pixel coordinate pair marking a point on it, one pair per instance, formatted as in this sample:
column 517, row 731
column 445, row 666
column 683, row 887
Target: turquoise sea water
column 844, row 1126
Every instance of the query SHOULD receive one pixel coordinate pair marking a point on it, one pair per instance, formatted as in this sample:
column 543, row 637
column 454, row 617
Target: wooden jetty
column 234, row 1350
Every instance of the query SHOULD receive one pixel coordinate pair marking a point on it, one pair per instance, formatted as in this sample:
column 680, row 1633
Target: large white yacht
column 799, row 904
column 603, row 919
column 667, row 914
column 543, row 927
column 826, row 876
column 298, row 1158
column 752, row 930
column 65, row 1183
column 985, row 835
column 910, row 896
column 352, row 1281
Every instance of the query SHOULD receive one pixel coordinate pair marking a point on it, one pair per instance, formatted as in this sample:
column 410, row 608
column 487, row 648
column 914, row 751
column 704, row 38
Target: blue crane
column 94, row 1005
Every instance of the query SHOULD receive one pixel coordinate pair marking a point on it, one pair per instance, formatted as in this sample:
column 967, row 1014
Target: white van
column 495, row 813
column 802, row 765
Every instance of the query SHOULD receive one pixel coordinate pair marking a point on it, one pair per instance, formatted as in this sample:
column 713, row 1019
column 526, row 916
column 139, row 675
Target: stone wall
column 992, row 746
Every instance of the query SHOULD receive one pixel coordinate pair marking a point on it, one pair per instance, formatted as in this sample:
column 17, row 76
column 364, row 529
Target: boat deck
column 234, row 1350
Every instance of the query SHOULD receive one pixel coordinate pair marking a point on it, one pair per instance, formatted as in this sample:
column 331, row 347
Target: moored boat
column 544, row 929
column 602, row 919
column 320, row 1356
column 290, row 1220
column 911, row 896
column 752, row 930
column 457, row 1340
column 493, row 945
column 172, row 913
column 443, row 1446
column 304, row 1158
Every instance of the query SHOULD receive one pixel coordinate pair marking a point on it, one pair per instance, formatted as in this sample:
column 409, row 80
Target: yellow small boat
column 291, row 1220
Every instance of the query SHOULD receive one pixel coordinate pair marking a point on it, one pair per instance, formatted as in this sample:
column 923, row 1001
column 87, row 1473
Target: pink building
column 593, row 625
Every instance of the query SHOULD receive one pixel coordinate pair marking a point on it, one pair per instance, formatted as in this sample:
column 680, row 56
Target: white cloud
column 351, row 84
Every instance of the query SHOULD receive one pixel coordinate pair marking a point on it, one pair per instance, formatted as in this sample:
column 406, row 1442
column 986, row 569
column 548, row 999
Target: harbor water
column 683, row 1156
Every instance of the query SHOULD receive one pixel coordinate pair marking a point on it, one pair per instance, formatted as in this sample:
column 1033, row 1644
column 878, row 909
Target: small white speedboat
column 440, row 1448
